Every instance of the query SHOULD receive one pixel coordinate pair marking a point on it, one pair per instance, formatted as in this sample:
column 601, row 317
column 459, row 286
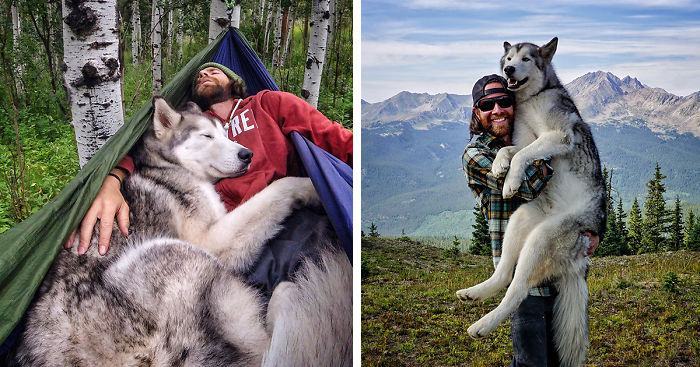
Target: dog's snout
column 509, row 70
column 245, row 155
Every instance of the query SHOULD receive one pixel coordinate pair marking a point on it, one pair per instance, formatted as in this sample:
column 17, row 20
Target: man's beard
column 207, row 96
column 501, row 130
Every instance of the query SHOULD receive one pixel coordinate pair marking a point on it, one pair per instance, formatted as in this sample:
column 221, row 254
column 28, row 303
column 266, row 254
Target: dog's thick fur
column 172, row 294
column 543, row 236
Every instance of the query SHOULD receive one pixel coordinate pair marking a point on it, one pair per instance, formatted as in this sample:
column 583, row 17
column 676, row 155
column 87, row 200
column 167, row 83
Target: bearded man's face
column 213, row 86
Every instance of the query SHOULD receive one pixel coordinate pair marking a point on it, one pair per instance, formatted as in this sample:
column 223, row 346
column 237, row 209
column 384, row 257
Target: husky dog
column 543, row 236
column 172, row 294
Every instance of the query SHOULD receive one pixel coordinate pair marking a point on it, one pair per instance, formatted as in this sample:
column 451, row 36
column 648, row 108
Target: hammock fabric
column 27, row 250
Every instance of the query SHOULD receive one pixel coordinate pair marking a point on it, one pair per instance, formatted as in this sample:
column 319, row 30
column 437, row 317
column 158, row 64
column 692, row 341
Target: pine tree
column 634, row 236
column 623, row 247
column 655, row 221
column 611, row 244
column 481, row 240
column 373, row 230
column 676, row 228
column 692, row 233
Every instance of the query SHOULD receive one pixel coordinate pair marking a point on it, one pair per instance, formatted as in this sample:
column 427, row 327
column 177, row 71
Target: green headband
column 229, row 73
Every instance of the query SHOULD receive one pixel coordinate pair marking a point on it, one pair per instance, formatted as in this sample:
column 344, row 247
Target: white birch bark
column 92, row 77
column 170, row 33
column 16, row 34
column 271, row 6
column 261, row 17
column 156, row 43
column 179, row 34
column 236, row 17
column 316, row 53
column 135, row 31
column 277, row 45
column 218, row 18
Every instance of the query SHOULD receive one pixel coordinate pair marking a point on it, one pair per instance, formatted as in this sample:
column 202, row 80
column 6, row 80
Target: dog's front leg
column 549, row 144
column 500, row 164
column 239, row 236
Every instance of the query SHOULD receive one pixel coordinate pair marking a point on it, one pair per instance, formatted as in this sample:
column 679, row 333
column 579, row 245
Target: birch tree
column 135, row 31
column 218, row 17
column 92, row 77
column 156, row 43
column 16, row 34
column 277, row 45
column 179, row 34
column 170, row 32
column 316, row 53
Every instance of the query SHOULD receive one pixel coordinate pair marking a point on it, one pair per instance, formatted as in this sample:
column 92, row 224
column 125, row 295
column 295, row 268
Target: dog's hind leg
column 532, row 257
column 310, row 319
column 527, row 217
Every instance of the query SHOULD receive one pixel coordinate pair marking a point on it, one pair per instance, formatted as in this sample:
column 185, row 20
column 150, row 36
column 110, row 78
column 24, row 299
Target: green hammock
column 29, row 248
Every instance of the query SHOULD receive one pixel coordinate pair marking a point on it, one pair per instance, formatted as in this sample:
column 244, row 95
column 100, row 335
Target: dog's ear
column 164, row 117
column 506, row 46
column 192, row 107
column 547, row 51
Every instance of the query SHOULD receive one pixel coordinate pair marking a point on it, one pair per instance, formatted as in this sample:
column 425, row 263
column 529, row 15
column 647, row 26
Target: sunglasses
column 486, row 105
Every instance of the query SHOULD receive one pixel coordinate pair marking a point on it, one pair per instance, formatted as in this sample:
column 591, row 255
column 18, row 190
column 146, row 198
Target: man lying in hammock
column 261, row 123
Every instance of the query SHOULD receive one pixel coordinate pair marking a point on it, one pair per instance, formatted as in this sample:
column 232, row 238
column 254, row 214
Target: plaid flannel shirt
column 476, row 162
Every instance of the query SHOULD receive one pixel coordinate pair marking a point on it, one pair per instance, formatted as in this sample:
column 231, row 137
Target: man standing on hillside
column 492, row 120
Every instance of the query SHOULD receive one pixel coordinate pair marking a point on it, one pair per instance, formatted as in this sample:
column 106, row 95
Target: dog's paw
column 482, row 327
column 304, row 193
column 475, row 293
column 511, row 185
column 500, row 166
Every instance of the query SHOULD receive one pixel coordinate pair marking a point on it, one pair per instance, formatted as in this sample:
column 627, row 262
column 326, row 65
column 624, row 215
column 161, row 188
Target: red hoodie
column 261, row 123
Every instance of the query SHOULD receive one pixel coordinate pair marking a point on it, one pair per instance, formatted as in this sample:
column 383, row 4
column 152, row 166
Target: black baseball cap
column 478, row 92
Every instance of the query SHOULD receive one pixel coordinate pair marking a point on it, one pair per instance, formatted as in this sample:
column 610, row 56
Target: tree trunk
column 287, row 39
column 277, row 46
column 135, row 32
column 156, row 43
column 16, row 34
column 316, row 52
column 271, row 7
column 180, row 32
column 169, row 34
column 218, row 18
column 236, row 16
column 90, row 43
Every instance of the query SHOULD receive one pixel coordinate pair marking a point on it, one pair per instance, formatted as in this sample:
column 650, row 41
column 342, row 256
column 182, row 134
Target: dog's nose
column 245, row 155
column 509, row 70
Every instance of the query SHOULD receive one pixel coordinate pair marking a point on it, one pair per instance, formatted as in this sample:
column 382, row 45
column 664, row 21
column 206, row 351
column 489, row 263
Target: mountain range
column 412, row 143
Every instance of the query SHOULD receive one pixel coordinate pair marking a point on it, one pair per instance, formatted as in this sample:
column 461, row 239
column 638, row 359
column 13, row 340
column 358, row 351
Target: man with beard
column 492, row 120
column 261, row 123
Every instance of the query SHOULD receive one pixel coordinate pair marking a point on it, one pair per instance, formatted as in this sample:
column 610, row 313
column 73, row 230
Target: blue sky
column 440, row 46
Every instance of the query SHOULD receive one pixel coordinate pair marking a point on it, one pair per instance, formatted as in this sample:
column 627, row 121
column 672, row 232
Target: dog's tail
column 571, row 317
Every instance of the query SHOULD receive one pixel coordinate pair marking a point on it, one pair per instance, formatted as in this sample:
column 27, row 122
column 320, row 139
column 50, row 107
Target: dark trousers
column 531, row 331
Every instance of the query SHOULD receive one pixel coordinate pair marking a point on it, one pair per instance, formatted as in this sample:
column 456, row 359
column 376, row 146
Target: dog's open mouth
column 514, row 84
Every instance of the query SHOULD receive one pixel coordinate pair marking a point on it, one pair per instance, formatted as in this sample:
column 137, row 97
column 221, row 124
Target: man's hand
column 593, row 241
column 108, row 204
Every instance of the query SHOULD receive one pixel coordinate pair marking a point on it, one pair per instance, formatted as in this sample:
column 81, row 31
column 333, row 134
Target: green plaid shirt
column 476, row 162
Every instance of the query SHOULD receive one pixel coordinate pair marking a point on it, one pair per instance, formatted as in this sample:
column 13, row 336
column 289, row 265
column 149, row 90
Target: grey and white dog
column 172, row 294
column 543, row 236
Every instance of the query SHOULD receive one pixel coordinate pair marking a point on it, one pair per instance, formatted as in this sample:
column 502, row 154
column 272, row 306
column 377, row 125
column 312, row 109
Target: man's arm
column 108, row 204
column 295, row 114
column 477, row 166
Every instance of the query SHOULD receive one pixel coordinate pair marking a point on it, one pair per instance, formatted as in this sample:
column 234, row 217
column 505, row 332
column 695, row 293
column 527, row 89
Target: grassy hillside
column 644, row 310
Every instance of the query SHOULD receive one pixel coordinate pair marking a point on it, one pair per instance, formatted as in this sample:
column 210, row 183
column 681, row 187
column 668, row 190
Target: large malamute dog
column 172, row 294
column 543, row 236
